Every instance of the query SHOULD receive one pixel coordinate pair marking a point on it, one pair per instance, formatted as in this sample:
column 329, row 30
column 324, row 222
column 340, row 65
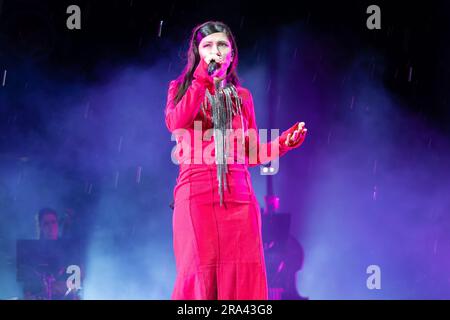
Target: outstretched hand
column 296, row 136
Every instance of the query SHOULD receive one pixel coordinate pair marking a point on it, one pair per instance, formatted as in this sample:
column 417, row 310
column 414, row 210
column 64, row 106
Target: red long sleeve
column 183, row 113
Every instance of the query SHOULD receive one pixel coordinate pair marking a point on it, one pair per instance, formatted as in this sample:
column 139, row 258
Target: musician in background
column 48, row 225
column 47, row 280
column 52, row 227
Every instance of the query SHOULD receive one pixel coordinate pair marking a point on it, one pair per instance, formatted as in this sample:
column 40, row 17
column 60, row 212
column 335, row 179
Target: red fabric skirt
column 218, row 249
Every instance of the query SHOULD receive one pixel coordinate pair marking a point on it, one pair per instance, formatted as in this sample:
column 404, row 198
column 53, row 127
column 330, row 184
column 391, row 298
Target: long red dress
column 218, row 249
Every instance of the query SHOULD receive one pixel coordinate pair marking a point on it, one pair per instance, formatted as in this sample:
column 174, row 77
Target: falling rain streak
column 88, row 188
column 19, row 178
column 138, row 174
column 119, row 148
column 160, row 28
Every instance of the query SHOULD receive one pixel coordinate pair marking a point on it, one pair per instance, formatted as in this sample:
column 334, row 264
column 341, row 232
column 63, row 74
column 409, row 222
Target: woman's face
column 216, row 46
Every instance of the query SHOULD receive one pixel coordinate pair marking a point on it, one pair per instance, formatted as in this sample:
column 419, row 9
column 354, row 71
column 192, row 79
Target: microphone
column 212, row 66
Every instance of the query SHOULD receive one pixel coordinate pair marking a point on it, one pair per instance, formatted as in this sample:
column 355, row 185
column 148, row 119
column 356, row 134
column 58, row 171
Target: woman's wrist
column 201, row 76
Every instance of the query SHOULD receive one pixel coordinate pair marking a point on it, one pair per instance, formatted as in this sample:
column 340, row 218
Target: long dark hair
column 193, row 56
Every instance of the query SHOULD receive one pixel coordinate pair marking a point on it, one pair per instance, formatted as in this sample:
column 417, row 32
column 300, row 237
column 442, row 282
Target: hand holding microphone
column 208, row 71
column 212, row 66
column 214, row 63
